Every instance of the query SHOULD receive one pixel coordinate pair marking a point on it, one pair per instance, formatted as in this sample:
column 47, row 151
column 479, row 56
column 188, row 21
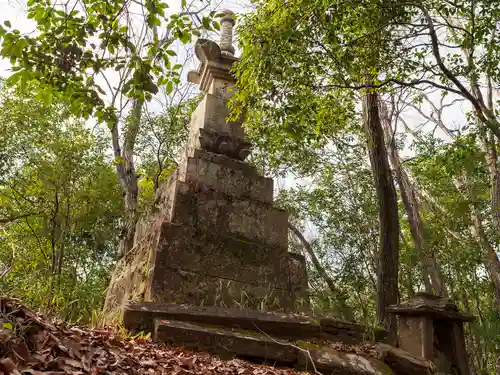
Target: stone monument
column 214, row 237
column 431, row 327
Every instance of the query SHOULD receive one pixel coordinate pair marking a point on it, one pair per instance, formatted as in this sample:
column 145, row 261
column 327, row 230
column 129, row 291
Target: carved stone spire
column 226, row 36
column 209, row 129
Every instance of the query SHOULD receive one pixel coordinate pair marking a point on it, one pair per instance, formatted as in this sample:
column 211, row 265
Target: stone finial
column 226, row 37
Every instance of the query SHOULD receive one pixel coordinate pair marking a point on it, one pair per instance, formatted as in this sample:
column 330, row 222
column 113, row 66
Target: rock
column 140, row 317
column 224, row 342
column 331, row 361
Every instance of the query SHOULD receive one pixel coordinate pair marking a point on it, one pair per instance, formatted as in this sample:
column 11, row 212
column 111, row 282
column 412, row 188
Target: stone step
column 225, row 343
column 140, row 316
column 258, row 347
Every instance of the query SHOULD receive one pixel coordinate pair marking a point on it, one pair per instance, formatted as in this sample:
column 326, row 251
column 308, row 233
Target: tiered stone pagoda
column 214, row 237
column 214, row 251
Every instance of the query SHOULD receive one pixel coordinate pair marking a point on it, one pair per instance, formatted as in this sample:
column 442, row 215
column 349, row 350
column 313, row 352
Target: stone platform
column 322, row 345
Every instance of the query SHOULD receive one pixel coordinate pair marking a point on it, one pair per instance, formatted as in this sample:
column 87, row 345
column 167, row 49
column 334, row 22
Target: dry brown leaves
column 32, row 344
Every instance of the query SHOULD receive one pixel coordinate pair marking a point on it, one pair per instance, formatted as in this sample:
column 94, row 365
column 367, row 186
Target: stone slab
column 198, row 206
column 226, row 161
column 326, row 360
column 230, row 342
column 223, row 342
column 183, row 247
column 234, row 182
column 140, row 317
column 186, row 287
column 402, row 362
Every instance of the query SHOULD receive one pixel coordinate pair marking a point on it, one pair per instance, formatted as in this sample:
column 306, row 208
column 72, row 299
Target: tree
column 432, row 276
column 60, row 207
column 79, row 43
column 387, row 269
column 287, row 61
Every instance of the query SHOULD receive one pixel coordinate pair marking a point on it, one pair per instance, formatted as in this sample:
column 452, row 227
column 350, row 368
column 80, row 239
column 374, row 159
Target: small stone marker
column 431, row 327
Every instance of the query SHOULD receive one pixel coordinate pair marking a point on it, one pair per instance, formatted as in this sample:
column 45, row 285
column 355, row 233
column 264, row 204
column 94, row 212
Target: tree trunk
column 387, row 272
column 490, row 259
column 127, row 175
column 488, row 145
column 433, row 279
column 345, row 310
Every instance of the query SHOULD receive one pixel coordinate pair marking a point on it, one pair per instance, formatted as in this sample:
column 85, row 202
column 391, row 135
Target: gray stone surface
column 140, row 316
column 214, row 236
column 431, row 327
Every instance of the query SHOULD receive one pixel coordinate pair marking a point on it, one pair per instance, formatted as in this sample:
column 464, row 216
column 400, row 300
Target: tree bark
column 388, row 258
column 433, row 279
column 345, row 309
column 127, row 175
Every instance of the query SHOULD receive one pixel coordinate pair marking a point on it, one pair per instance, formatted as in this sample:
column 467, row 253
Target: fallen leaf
column 187, row 362
column 7, row 365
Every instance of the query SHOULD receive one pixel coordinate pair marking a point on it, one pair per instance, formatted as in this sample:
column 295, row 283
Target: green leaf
column 7, row 325
column 7, row 23
column 169, row 87
column 206, row 23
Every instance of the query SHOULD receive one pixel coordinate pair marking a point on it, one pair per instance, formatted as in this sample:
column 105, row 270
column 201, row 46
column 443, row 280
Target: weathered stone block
column 328, row 360
column 140, row 316
column 212, row 113
column 298, row 277
column 238, row 183
column 432, row 327
column 133, row 274
column 207, row 268
column 198, row 206
column 224, row 342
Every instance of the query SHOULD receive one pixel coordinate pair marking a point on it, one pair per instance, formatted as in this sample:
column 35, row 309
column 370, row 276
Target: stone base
column 213, row 239
column 141, row 317
column 272, row 338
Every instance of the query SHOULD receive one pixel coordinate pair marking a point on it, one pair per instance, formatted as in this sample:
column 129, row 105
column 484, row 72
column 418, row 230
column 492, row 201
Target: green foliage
column 81, row 40
column 60, row 207
column 159, row 143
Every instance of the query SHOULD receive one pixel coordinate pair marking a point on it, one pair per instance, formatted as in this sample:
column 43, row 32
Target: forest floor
column 34, row 344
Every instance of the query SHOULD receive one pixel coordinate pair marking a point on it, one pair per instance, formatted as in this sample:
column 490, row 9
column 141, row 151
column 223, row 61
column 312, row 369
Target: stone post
column 431, row 327
column 226, row 36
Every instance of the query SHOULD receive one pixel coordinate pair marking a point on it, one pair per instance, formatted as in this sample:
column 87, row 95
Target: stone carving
column 226, row 38
column 224, row 144
column 214, row 237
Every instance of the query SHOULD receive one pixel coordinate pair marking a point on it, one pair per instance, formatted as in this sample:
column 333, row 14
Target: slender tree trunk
column 345, row 309
column 489, row 147
column 127, row 175
column 54, row 232
column 490, row 259
column 388, row 259
column 433, row 279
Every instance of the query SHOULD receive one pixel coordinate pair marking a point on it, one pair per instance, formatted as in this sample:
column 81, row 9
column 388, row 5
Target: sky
column 15, row 11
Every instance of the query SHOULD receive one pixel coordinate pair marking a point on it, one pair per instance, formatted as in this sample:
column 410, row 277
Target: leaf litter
column 31, row 344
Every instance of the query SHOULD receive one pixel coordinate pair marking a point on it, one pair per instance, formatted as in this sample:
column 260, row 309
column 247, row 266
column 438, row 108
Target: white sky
column 14, row 10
